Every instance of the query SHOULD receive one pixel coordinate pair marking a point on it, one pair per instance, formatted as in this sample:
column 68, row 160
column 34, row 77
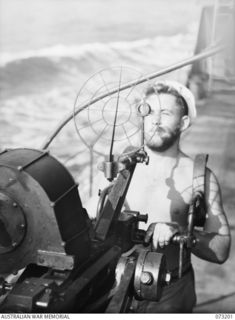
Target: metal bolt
column 146, row 278
column 41, row 260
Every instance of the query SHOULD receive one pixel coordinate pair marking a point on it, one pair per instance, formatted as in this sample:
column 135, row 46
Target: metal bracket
column 51, row 259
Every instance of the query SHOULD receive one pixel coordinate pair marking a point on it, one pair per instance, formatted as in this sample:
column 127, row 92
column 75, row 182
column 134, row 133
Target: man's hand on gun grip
column 161, row 233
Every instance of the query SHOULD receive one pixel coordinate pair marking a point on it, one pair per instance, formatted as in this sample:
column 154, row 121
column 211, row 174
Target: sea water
column 49, row 48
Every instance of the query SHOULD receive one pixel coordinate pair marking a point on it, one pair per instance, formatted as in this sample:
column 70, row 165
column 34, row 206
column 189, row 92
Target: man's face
column 162, row 125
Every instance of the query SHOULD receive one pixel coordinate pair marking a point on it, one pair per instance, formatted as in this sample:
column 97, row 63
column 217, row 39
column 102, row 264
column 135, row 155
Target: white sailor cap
column 184, row 92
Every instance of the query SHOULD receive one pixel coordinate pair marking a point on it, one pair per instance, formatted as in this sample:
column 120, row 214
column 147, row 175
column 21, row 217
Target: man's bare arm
column 213, row 243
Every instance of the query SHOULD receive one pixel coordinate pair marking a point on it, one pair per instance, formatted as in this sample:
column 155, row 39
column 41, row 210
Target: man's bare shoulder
column 185, row 162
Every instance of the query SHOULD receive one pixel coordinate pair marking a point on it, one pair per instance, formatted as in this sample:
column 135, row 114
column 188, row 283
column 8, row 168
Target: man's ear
column 185, row 123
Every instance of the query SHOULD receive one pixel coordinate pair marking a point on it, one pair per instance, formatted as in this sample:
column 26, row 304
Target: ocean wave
column 79, row 51
column 58, row 66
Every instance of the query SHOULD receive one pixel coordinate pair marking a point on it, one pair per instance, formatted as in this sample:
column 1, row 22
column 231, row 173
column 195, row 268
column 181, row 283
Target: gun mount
column 68, row 263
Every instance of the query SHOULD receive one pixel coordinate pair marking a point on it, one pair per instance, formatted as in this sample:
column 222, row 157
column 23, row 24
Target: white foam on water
column 96, row 49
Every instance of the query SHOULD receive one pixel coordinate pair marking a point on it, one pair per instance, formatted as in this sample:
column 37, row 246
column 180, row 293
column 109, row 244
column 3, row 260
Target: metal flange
column 149, row 275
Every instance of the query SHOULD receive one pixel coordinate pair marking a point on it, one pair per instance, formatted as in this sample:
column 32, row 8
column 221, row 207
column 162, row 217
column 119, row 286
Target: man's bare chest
column 164, row 197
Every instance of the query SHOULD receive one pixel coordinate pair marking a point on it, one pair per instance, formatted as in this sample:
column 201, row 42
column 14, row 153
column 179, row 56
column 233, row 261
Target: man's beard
column 162, row 139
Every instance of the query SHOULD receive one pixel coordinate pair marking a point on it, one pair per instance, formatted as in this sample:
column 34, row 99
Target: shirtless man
column 163, row 189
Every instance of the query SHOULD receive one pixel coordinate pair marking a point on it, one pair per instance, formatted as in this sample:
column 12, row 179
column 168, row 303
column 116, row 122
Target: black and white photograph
column 117, row 158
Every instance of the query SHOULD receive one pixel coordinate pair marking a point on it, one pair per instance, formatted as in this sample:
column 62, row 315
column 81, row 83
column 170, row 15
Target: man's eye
column 165, row 112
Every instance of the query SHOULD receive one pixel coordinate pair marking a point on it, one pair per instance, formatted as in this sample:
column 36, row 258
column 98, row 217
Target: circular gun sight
column 144, row 109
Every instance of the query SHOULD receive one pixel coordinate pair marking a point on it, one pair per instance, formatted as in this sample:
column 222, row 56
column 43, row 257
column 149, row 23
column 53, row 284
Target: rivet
column 41, row 260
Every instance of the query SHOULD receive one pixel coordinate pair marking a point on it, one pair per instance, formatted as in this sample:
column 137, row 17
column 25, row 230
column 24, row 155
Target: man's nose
column 156, row 118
